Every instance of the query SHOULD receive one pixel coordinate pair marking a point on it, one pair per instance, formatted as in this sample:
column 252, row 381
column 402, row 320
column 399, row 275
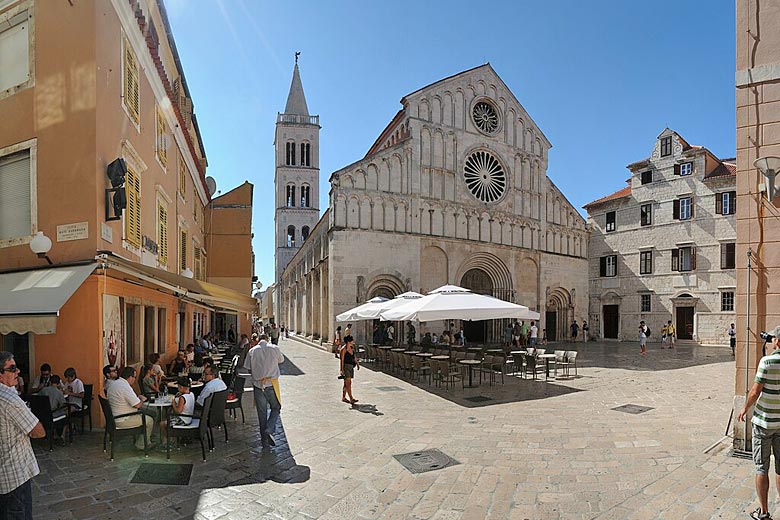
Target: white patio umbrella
column 352, row 314
column 372, row 313
column 451, row 302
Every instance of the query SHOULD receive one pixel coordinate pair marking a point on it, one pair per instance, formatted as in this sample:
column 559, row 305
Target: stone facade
column 454, row 190
column 669, row 264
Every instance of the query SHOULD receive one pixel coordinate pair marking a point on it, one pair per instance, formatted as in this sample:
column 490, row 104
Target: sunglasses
column 12, row 369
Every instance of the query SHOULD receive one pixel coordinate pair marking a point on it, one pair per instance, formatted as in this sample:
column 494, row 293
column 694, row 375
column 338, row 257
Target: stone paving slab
column 536, row 449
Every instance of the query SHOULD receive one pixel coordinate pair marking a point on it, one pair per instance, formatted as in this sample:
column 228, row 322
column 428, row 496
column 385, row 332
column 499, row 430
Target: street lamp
column 769, row 166
column 40, row 245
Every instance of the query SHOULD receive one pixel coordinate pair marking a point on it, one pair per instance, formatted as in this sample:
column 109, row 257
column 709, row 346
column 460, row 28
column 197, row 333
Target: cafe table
column 397, row 350
column 386, row 347
column 471, row 363
column 494, row 351
column 547, row 358
column 440, row 358
column 193, row 385
column 160, row 403
column 424, row 354
column 412, row 352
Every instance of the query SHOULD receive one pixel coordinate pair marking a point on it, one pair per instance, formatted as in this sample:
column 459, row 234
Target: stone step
column 310, row 342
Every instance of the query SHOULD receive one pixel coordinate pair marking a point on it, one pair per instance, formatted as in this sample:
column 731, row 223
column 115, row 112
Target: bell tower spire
column 297, row 173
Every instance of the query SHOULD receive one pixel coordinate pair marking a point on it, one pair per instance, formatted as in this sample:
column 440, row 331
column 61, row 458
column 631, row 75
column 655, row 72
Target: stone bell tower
column 297, row 173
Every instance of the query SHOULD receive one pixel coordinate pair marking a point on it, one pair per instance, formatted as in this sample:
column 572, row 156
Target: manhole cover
column 478, row 399
column 424, row 461
column 164, row 474
column 632, row 408
column 390, row 388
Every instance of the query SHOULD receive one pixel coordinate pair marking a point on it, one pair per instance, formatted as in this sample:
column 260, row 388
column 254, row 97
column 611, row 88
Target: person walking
column 670, row 333
column 348, row 364
column 274, row 334
column 337, row 341
column 575, row 329
column 263, row 362
column 585, row 330
column 732, row 332
column 766, row 423
column 534, row 334
column 18, row 463
column 643, row 337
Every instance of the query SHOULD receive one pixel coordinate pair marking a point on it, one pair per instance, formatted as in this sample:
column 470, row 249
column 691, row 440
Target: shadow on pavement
column 626, row 355
column 367, row 408
column 288, row 368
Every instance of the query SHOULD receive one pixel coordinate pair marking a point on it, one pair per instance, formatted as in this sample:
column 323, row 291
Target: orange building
column 90, row 83
column 758, row 204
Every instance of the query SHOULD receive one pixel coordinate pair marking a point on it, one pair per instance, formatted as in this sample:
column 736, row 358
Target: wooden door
column 684, row 327
column 611, row 321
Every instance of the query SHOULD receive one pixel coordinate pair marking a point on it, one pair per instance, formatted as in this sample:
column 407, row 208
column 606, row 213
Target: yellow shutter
column 162, row 138
column 133, row 212
column 183, row 250
column 182, row 176
column 162, row 235
column 130, row 87
column 196, row 261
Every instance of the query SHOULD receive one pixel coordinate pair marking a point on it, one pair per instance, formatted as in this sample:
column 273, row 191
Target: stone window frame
column 608, row 266
column 646, row 177
column 646, row 214
column 6, row 18
column 31, row 146
column 646, row 262
column 609, row 227
column 686, row 169
column 727, row 298
column 645, row 302
column 665, row 146
column 725, row 255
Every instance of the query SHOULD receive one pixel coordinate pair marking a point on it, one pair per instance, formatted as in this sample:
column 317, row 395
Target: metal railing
column 298, row 119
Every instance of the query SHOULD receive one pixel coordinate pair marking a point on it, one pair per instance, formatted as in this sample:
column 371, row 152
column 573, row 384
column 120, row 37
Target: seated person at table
column 74, row 389
column 123, row 400
column 109, row 376
column 190, row 351
column 179, row 364
column 154, row 360
column 57, row 402
column 445, row 338
column 42, row 380
column 196, row 369
column 213, row 384
column 149, row 386
column 426, row 341
column 183, row 402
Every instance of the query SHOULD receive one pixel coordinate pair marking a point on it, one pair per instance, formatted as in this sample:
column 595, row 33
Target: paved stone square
column 534, row 449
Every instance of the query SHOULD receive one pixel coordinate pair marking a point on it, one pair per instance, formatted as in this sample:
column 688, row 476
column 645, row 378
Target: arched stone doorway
column 478, row 281
column 557, row 315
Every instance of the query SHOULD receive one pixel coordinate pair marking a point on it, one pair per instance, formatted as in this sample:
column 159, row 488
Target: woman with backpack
column 643, row 337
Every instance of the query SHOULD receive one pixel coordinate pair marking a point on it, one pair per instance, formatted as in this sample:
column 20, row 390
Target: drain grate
column 426, row 460
column 478, row 399
column 634, row 409
column 390, row 388
column 163, row 474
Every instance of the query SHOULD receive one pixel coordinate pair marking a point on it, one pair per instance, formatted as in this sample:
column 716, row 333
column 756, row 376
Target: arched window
column 304, row 233
column 290, row 199
column 305, row 199
column 290, row 157
column 290, row 236
column 305, row 154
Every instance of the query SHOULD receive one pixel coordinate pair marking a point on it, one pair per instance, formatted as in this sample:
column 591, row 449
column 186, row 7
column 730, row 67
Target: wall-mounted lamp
column 40, row 245
column 769, row 166
column 116, row 197
column 187, row 273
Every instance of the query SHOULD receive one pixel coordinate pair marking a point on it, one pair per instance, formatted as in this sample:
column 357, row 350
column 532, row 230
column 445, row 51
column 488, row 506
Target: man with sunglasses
column 17, row 460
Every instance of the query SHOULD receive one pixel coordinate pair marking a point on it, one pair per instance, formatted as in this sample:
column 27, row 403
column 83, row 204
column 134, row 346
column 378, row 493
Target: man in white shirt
column 17, row 460
column 123, row 400
column 534, row 334
column 213, row 384
column 263, row 362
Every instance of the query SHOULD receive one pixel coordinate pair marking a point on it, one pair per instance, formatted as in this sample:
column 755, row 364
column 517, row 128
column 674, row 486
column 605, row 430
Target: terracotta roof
column 723, row 170
column 625, row 192
column 386, row 133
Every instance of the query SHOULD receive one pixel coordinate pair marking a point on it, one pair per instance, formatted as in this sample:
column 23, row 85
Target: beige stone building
column 662, row 248
column 758, row 136
column 454, row 190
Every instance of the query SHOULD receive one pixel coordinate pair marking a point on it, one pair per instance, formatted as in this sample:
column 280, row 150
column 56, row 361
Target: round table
column 471, row 363
column 424, row 354
column 495, row 351
column 413, row 352
column 547, row 358
column 193, row 385
column 397, row 350
column 440, row 358
column 385, row 347
column 160, row 403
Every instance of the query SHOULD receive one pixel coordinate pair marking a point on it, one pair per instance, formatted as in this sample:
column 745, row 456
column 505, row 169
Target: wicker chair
column 111, row 432
column 198, row 428
column 41, row 408
column 235, row 404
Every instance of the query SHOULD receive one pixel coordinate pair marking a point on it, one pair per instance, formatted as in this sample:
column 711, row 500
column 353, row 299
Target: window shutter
column 677, row 169
column 131, row 93
column 162, row 235
column 693, row 259
column 133, row 211
column 675, row 259
column 693, row 206
column 183, row 250
column 676, row 209
column 196, row 261
column 723, row 256
column 733, row 202
column 182, row 176
column 719, row 204
column 15, row 213
column 603, row 266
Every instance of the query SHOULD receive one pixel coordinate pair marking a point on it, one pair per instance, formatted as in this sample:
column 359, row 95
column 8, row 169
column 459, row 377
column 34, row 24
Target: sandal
column 757, row 515
column 353, row 401
column 345, row 400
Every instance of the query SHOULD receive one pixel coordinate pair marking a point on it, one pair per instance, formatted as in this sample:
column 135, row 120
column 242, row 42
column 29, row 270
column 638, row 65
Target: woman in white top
column 643, row 337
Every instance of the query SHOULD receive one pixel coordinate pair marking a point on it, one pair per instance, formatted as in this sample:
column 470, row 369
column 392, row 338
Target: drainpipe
column 747, row 333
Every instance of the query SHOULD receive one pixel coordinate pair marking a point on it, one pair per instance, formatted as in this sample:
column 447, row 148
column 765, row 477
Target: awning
column 208, row 293
column 30, row 301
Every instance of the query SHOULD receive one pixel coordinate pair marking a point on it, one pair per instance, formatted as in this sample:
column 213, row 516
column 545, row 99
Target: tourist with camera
column 348, row 364
column 766, row 420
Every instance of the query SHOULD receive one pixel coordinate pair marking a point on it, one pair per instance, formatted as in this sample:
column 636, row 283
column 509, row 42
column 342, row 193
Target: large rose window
column 484, row 176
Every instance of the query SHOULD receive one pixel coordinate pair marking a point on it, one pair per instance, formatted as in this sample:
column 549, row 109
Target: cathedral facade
column 453, row 191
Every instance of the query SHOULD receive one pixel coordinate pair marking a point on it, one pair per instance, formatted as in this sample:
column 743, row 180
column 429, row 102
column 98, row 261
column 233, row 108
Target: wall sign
column 106, row 233
column 77, row 231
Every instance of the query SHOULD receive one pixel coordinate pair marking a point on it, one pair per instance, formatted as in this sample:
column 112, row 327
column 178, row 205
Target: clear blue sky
column 601, row 79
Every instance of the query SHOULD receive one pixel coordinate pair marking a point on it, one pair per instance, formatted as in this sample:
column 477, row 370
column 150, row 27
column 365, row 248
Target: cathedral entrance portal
column 478, row 281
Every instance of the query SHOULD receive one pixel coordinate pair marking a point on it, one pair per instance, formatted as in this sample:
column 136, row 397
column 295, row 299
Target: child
column 544, row 337
column 663, row 336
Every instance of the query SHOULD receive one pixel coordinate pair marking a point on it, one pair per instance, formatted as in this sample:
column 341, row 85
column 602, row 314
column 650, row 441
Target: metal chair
column 86, row 408
column 112, row 431
column 41, row 408
column 235, row 404
column 216, row 416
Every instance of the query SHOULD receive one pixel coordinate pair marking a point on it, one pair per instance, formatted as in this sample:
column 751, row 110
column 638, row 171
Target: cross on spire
column 296, row 57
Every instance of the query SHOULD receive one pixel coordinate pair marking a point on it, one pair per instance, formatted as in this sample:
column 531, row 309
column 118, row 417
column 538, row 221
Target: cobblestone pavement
column 535, row 449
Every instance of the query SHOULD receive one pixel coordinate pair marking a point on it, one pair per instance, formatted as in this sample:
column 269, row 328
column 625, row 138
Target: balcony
column 297, row 119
